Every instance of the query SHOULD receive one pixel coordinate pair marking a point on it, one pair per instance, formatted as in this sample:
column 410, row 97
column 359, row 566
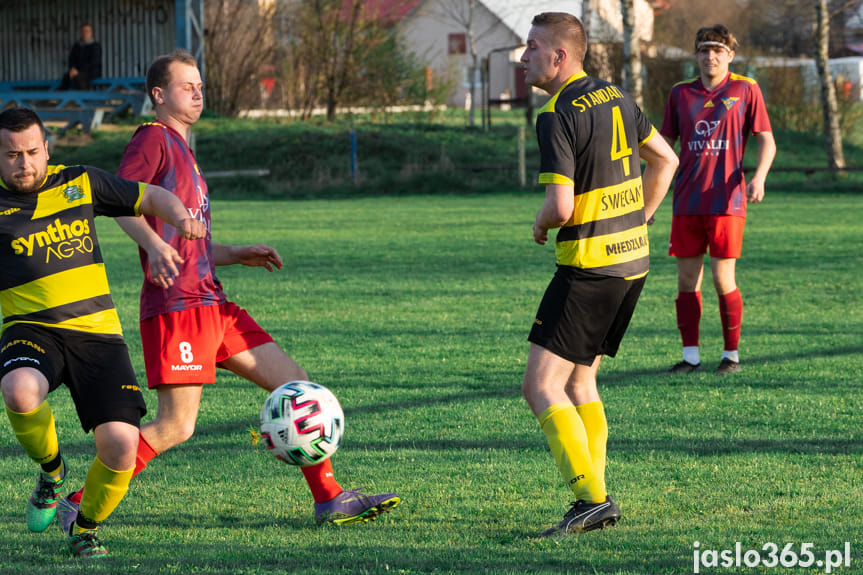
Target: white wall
column 427, row 31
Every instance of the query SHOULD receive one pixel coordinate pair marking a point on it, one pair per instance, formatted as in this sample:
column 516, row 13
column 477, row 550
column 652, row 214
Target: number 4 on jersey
column 620, row 149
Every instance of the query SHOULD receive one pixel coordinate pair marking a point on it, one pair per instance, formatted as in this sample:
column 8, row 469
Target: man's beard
column 23, row 190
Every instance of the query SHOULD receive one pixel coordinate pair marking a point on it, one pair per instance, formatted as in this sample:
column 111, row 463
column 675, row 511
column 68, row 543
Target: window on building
column 457, row 44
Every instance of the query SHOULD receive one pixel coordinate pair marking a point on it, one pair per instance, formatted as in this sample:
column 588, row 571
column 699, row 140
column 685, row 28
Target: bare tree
column 238, row 41
column 342, row 50
column 832, row 134
column 463, row 14
column 631, row 52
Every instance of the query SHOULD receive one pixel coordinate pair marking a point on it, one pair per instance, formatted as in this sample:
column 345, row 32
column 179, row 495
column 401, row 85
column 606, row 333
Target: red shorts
column 692, row 235
column 186, row 346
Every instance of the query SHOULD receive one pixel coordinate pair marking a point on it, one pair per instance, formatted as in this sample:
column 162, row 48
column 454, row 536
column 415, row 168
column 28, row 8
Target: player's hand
column 191, row 229
column 755, row 191
column 164, row 261
column 259, row 255
column 540, row 234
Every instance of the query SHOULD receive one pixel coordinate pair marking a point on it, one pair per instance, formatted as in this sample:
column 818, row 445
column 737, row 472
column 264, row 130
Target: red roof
column 389, row 12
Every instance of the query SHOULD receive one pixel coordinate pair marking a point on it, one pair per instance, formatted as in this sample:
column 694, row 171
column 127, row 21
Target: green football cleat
column 86, row 545
column 43, row 503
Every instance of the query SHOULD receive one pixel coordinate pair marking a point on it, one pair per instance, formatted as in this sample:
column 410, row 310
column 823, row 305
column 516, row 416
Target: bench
column 77, row 103
column 119, row 84
column 105, row 100
column 88, row 119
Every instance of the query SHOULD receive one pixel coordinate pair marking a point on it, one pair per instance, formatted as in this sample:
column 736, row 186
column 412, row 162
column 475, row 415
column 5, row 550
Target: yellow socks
column 569, row 445
column 596, row 426
column 37, row 435
column 103, row 491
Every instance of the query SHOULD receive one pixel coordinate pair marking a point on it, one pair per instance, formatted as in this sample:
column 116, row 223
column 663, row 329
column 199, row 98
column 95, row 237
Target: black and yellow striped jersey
column 589, row 133
column 53, row 272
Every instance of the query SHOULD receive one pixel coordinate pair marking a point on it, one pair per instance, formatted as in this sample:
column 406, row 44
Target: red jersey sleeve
column 757, row 111
column 670, row 127
column 144, row 156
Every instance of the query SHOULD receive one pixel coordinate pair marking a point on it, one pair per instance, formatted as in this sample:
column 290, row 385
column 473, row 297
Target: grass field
column 414, row 310
column 406, row 155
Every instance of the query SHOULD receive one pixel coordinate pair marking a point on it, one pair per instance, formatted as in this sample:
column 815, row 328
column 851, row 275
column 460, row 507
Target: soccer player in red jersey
column 592, row 137
column 713, row 116
column 188, row 327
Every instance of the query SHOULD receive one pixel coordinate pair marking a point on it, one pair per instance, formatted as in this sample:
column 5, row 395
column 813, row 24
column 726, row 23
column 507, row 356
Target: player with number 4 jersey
column 592, row 138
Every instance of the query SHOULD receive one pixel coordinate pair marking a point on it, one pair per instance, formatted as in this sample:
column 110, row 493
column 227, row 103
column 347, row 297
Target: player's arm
column 656, row 179
column 258, row 255
column 766, row 153
column 163, row 258
column 556, row 210
column 159, row 202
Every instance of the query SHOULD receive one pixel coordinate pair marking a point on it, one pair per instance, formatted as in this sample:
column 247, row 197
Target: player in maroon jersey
column 188, row 327
column 713, row 116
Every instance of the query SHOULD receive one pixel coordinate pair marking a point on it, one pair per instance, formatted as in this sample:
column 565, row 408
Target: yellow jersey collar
column 573, row 78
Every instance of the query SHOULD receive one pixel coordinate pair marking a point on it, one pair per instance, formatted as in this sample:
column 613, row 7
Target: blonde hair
column 565, row 28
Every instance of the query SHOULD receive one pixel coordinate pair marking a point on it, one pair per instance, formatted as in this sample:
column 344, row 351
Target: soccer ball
column 302, row 423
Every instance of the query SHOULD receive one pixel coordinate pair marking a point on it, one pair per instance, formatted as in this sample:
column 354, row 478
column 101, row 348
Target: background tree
column 238, row 41
column 832, row 135
column 463, row 14
column 338, row 51
column 631, row 52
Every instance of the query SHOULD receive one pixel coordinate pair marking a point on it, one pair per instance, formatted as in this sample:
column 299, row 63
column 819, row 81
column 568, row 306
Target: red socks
column 731, row 313
column 321, row 481
column 320, row 478
column 688, row 306
column 144, row 455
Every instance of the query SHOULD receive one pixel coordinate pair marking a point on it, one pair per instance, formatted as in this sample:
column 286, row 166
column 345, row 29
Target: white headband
column 713, row 44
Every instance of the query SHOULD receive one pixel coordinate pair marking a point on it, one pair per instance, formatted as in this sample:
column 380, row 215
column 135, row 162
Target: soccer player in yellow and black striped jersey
column 59, row 322
column 592, row 138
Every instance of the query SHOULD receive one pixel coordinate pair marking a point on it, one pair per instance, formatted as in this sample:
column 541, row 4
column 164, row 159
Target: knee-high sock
column 567, row 439
column 731, row 314
column 103, row 491
column 596, row 426
column 688, row 305
column 36, row 433
column 321, row 480
column 145, row 454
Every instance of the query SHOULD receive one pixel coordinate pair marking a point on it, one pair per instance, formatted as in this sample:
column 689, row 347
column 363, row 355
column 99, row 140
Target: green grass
column 414, row 310
column 406, row 155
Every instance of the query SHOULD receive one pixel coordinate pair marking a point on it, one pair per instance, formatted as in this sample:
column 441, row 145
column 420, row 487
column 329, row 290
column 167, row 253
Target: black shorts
column 96, row 369
column 582, row 316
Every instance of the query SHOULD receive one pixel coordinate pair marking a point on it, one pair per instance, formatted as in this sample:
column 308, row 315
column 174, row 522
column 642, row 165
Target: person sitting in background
column 85, row 62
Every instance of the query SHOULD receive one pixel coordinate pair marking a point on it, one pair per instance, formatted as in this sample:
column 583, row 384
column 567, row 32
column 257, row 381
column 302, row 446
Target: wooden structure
column 35, row 38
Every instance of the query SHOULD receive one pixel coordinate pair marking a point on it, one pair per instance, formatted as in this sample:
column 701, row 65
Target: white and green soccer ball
column 302, row 423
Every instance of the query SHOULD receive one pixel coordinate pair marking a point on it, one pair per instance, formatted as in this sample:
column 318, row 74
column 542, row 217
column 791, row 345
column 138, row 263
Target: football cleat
column 67, row 512
column 583, row 517
column 684, row 367
column 354, row 507
column 43, row 502
column 727, row 366
column 86, row 545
